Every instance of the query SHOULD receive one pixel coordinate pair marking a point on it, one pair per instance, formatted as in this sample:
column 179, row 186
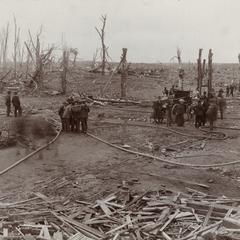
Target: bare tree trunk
column 101, row 34
column 39, row 58
column 199, row 78
column 94, row 59
column 21, row 55
column 16, row 44
column 180, row 69
column 27, row 66
column 210, row 70
column 124, row 73
column 65, row 63
column 5, row 45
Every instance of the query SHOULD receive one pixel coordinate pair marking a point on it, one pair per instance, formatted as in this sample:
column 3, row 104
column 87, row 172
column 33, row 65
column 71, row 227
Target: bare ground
column 95, row 169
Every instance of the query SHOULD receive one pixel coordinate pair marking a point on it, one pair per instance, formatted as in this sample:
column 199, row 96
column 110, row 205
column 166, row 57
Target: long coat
column 67, row 112
column 84, row 111
column 212, row 112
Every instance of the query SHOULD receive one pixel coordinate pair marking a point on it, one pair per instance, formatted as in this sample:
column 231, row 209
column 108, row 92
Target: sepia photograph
column 119, row 120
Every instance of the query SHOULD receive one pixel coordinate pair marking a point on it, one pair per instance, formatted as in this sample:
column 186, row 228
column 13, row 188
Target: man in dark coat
column 221, row 103
column 155, row 109
column 8, row 103
column 67, row 113
column 212, row 112
column 179, row 110
column 84, row 116
column 199, row 115
column 205, row 105
column 160, row 110
column 231, row 90
column 227, row 91
column 76, row 111
column 17, row 105
column 60, row 113
column 169, row 113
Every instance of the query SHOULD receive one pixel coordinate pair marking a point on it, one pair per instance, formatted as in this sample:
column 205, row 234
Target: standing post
column 124, row 73
column 210, row 70
column 64, row 70
column 181, row 72
column 199, row 78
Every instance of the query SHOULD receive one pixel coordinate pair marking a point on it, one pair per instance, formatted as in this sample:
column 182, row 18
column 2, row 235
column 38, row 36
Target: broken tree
column 101, row 34
column 202, row 71
column 210, row 70
column 4, row 46
column 65, row 63
column 16, row 46
column 39, row 57
column 123, row 67
column 181, row 72
column 124, row 73
column 74, row 51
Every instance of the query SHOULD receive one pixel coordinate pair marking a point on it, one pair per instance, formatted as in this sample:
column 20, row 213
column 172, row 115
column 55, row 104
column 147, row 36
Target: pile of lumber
column 161, row 214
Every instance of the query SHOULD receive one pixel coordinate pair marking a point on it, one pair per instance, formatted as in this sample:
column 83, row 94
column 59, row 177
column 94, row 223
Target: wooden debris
column 162, row 214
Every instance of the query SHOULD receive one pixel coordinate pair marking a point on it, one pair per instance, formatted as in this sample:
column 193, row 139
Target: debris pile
column 162, row 214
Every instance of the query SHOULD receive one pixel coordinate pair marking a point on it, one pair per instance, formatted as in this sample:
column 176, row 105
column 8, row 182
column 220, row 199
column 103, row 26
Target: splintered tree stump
column 210, row 70
column 124, row 73
column 200, row 74
column 65, row 64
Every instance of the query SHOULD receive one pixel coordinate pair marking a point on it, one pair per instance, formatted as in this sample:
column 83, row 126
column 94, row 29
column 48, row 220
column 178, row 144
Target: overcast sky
column 150, row 29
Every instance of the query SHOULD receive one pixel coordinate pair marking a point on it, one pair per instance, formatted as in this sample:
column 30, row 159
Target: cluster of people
column 15, row 101
column 74, row 113
column 201, row 109
column 165, row 108
column 230, row 90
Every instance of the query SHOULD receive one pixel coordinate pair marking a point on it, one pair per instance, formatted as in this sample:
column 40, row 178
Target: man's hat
column 181, row 100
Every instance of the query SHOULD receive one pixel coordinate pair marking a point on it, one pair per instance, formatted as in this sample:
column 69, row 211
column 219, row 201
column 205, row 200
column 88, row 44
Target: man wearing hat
column 60, row 113
column 84, row 116
column 212, row 112
column 158, row 110
column 67, row 113
column 221, row 103
column 8, row 103
column 179, row 110
column 76, row 110
column 169, row 112
column 199, row 114
column 17, row 105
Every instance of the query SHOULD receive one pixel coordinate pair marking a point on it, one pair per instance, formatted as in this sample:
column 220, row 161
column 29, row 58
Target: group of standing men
column 164, row 107
column 230, row 90
column 15, row 101
column 202, row 109
column 74, row 113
